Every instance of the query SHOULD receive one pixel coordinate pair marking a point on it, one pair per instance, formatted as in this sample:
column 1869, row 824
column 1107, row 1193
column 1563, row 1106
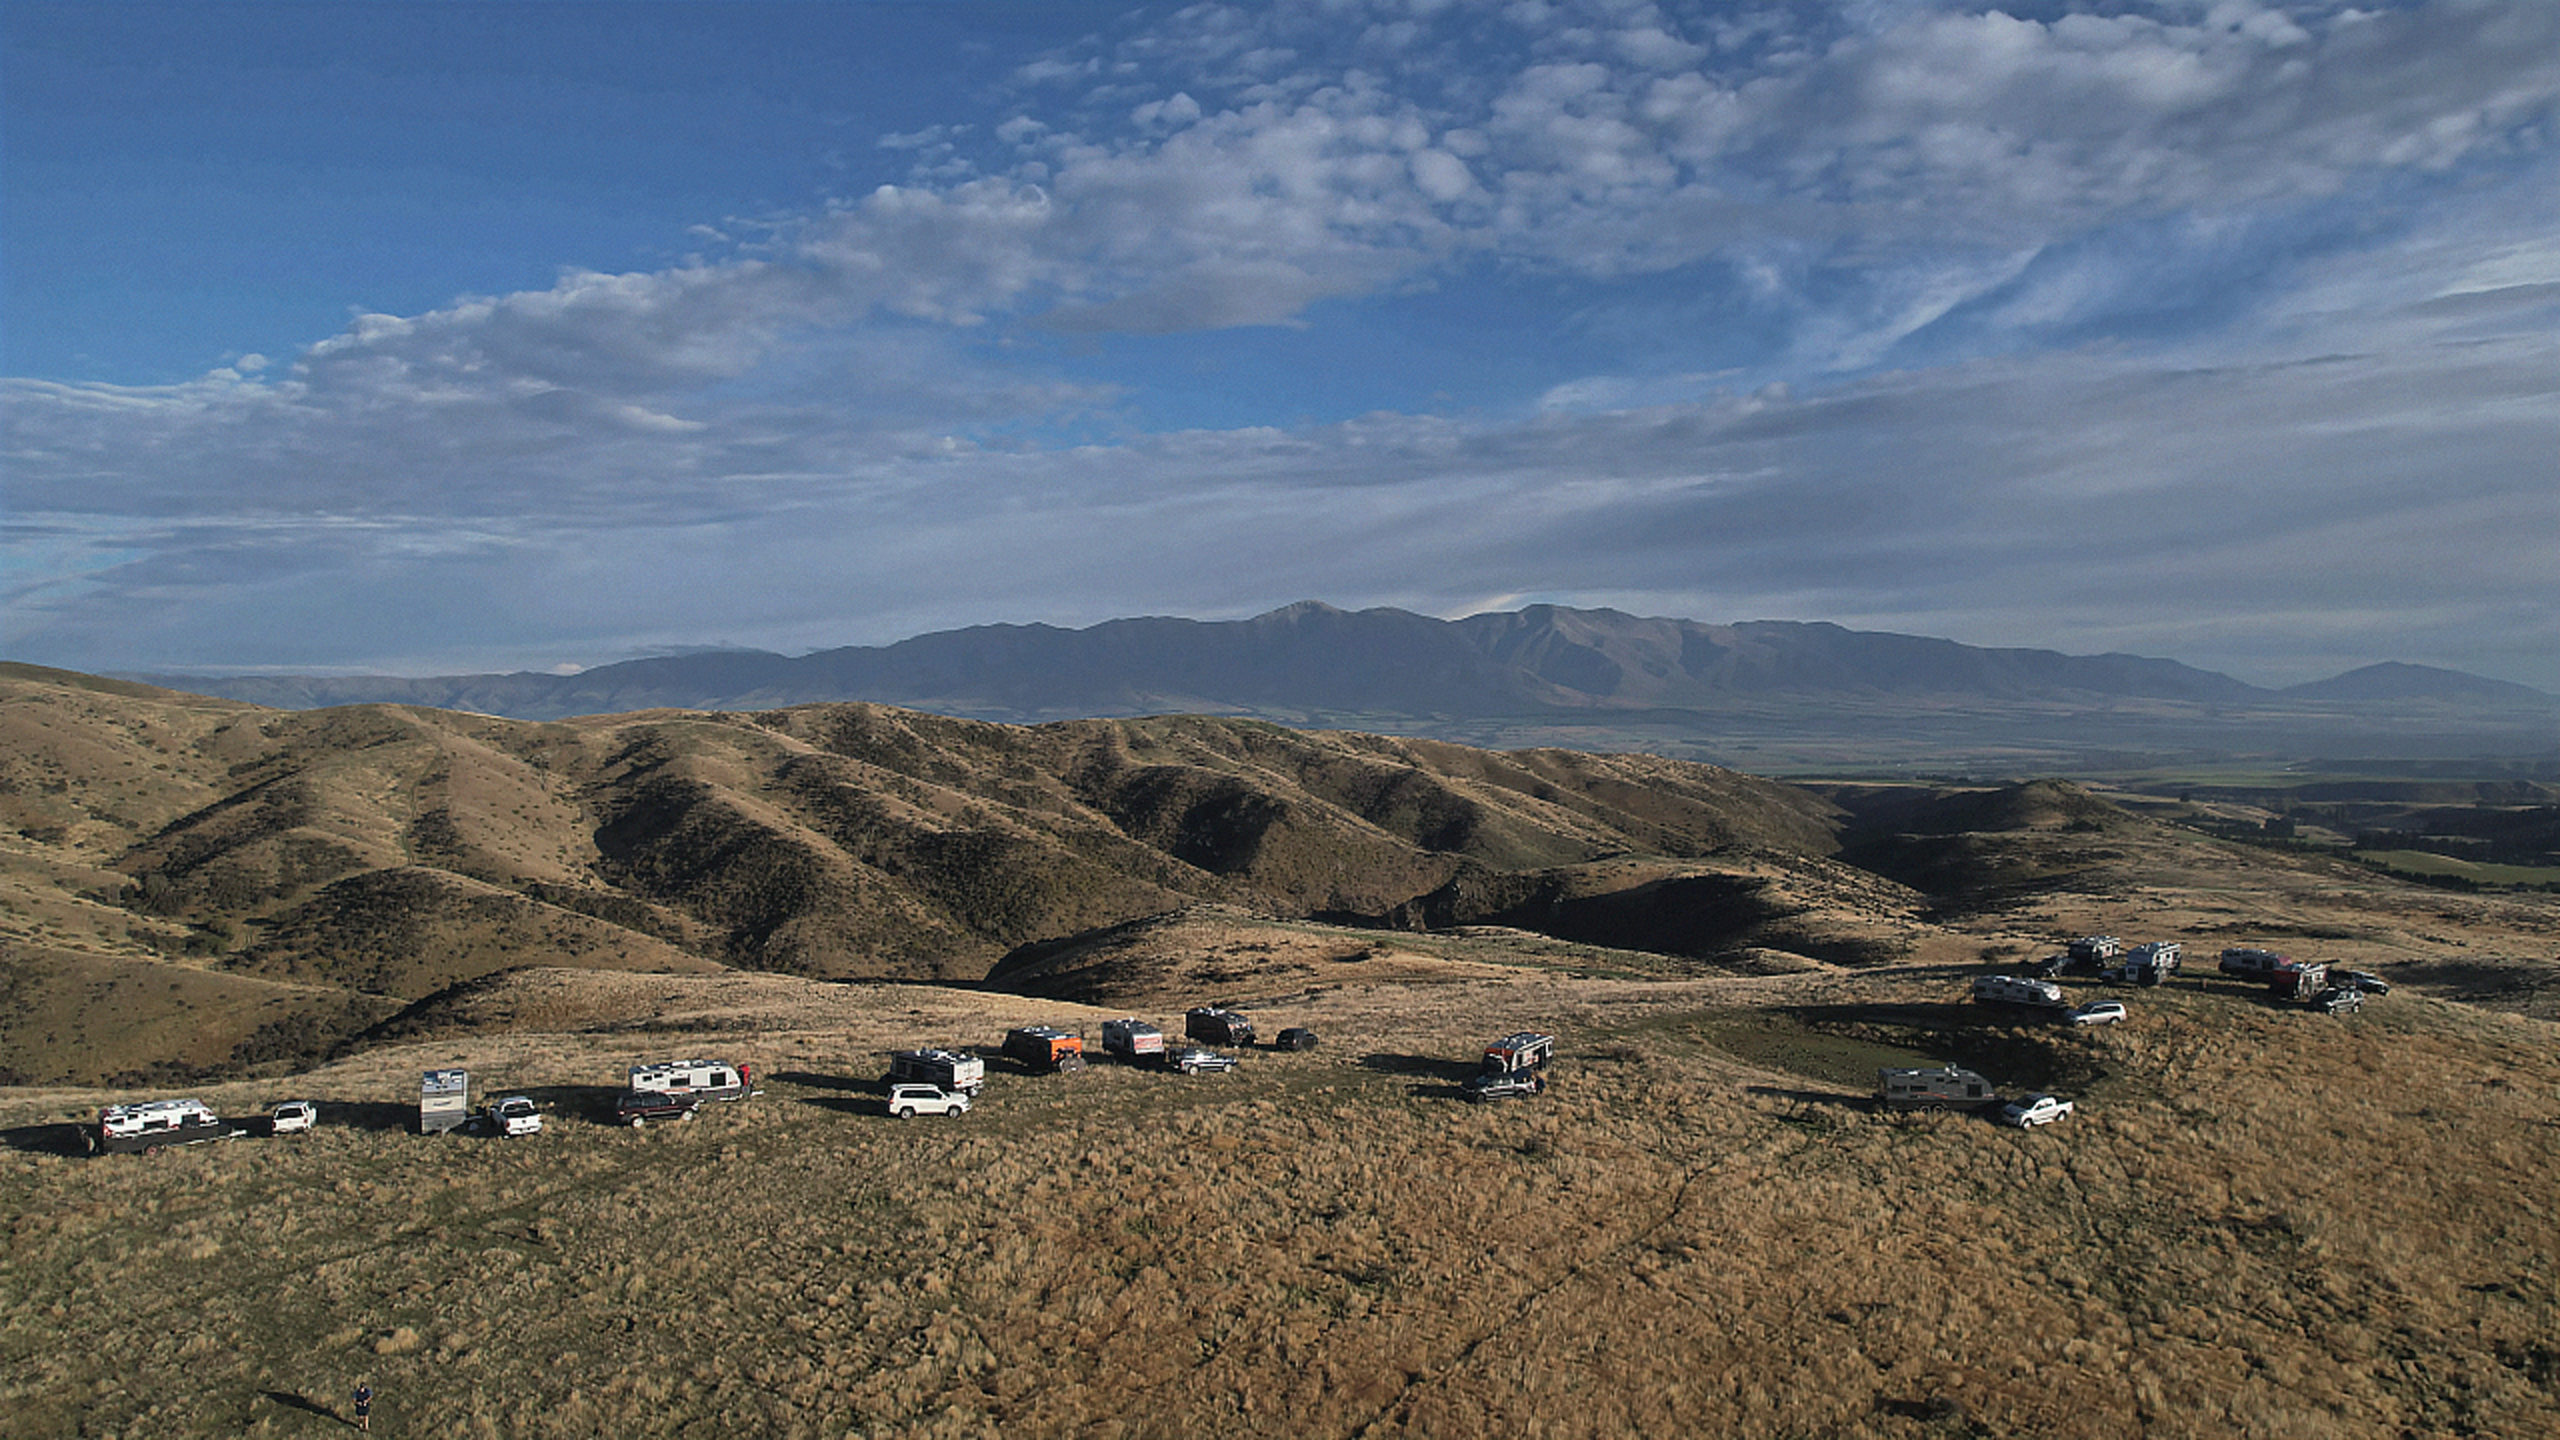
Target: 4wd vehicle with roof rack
column 906, row 1102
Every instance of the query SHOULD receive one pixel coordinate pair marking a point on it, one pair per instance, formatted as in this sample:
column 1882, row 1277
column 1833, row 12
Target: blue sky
column 437, row 337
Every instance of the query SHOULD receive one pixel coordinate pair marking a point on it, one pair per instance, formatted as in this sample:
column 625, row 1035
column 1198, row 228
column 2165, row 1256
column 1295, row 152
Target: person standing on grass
column 364, row 1407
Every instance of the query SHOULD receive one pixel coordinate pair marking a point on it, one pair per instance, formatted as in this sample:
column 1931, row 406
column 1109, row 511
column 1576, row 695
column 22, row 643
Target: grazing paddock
column 2261, row 1222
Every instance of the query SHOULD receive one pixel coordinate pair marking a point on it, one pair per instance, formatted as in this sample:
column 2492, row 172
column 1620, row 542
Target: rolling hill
column 355, row 859
column 258, row 887
column 2262, row 1221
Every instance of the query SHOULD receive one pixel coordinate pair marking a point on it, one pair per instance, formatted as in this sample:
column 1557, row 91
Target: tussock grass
column 2262, row 1223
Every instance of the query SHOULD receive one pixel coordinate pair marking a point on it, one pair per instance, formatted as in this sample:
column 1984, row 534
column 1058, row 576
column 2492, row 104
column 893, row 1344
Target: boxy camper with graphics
column 701, row 1079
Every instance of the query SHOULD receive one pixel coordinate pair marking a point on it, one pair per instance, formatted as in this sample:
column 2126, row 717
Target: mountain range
column 1766, row 694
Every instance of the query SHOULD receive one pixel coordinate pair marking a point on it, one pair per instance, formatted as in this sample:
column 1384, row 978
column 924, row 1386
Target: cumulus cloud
column 860, row 397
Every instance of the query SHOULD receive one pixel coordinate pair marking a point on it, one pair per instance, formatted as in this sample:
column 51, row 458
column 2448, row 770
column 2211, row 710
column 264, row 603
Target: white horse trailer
column 444, row 1101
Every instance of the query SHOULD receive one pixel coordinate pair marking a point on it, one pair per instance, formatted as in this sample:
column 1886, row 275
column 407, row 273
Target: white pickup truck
column 513, row 1115
column 2035, row 1110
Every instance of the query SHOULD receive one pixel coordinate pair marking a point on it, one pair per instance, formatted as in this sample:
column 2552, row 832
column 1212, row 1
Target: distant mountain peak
column 2399, row 680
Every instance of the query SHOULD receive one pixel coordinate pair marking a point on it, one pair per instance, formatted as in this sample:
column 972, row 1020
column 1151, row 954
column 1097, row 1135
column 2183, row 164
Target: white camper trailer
column 2017, row 990
column 150, row 1124
column 1941, row 1089
column 1133, row 1040
column 952, row 1070
column 444, row 1101
column 701, row 1079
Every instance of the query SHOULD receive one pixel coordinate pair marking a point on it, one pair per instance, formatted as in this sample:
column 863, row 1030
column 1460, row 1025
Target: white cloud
column 843, row 399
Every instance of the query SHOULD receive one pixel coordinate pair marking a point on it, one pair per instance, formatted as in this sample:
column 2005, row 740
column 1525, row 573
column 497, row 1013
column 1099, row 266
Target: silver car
column 2034, row 1110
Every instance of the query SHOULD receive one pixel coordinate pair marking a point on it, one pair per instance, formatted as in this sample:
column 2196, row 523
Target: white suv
column 909, row 1101
column 2098, row 1012
column 2035, row 1110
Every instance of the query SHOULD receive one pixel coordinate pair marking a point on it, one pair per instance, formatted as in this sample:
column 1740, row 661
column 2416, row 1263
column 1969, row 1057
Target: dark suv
column 638, row 1107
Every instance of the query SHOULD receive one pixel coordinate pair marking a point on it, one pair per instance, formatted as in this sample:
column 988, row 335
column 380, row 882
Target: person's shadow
column 297, row 1402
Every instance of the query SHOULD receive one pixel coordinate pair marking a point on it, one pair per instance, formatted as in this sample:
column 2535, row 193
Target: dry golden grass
column 2262, row 1223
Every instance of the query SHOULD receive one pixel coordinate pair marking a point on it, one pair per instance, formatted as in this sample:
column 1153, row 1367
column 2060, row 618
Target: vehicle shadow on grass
column 810, row 1079
column 588, row 1102
column 1838, row 1099
column 867, row 1104
column 1911, row 1015
column 1427, row 1067
column 54, row 1139
column 1438, row 1077
column 1804, row 1105
column 368, row 1115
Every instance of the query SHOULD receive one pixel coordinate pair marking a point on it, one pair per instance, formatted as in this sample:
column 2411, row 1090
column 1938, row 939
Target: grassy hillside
column 257, row 889
column 2261, row 1223
column 375, row 855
